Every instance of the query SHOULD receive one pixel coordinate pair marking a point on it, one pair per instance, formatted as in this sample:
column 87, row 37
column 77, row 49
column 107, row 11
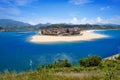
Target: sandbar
column 87, row 35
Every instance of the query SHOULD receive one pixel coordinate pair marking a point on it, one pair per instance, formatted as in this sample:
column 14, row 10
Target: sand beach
column 87, row 35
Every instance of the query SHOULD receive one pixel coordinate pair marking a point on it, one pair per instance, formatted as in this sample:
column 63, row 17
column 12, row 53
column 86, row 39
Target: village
column 61, row 31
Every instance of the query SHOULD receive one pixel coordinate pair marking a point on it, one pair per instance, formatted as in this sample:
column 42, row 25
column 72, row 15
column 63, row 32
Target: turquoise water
column 16, row 51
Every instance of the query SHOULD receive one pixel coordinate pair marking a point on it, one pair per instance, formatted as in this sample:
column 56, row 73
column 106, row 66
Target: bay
column 16, row 51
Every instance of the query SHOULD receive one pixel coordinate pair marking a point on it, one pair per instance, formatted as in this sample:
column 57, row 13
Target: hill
column 12, row 23
column 41, row 25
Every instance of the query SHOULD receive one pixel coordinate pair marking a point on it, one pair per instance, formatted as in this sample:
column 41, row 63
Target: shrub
column 90, row 61
column 62, row 63
column 118, row 58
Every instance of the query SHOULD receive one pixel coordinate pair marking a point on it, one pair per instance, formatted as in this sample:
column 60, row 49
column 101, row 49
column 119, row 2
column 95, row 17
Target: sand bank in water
column 87, row 35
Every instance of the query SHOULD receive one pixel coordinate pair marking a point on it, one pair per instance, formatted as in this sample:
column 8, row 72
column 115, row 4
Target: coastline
column 87, row 36
column 111, row 57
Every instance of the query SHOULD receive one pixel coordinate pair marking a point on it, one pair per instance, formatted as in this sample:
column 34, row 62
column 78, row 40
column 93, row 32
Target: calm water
column 16, row 51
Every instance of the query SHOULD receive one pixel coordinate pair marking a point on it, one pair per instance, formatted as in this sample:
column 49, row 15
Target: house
column 61, row 31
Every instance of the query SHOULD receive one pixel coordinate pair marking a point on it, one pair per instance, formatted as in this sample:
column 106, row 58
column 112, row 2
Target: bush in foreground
column 90, row 61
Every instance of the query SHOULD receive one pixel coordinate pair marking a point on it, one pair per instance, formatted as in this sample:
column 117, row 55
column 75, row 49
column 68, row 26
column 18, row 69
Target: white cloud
column 44, row 20
column 99, row 19
column 74, row 20
column 17, row 2
column 15, row 11
column 104, row 8
column 23, row 2
column 79, row 2
column 84, row 20
column 12, row 6
column 12, row 10
column 113, row 20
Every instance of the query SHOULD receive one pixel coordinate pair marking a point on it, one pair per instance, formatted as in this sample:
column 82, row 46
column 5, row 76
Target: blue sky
column 61, row 11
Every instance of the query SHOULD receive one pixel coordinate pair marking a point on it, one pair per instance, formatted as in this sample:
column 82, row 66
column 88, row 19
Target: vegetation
column 0, row 28
column 96, row 69
column 90, row 61
column 83, row 26
column 118, row 58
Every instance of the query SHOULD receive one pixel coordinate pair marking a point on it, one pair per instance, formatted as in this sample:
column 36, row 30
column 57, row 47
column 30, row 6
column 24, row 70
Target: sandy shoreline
column 87, row 36
column 112, row 57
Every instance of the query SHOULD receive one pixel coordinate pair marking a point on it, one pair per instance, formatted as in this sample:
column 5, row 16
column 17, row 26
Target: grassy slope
column 107, row 70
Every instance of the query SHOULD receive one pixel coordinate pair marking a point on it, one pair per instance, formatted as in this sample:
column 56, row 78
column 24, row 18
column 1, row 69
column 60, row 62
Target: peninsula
column 54, row 35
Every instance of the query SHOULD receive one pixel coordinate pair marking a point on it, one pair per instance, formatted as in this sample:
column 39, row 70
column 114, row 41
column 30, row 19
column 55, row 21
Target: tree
column 95, row 60
column 67, row 63
column 90, row 61
column 60, row 63
column 67, row 31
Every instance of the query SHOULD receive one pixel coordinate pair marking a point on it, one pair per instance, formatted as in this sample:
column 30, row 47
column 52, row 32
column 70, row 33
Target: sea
column 17, row 53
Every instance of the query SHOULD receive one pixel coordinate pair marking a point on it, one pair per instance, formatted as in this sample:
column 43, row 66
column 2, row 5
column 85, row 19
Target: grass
column 34, row 75
column 106, row 70
column 65, row 74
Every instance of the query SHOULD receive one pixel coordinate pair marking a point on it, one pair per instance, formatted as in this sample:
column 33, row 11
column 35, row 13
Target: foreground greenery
column 91, row 68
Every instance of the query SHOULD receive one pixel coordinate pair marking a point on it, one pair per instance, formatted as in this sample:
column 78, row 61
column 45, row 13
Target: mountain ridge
column 12, row 23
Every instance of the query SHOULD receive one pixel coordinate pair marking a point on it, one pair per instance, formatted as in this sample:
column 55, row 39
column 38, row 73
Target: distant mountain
column 12, row 23
column 40, row 24
column 109, row 24
column 112, row 24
